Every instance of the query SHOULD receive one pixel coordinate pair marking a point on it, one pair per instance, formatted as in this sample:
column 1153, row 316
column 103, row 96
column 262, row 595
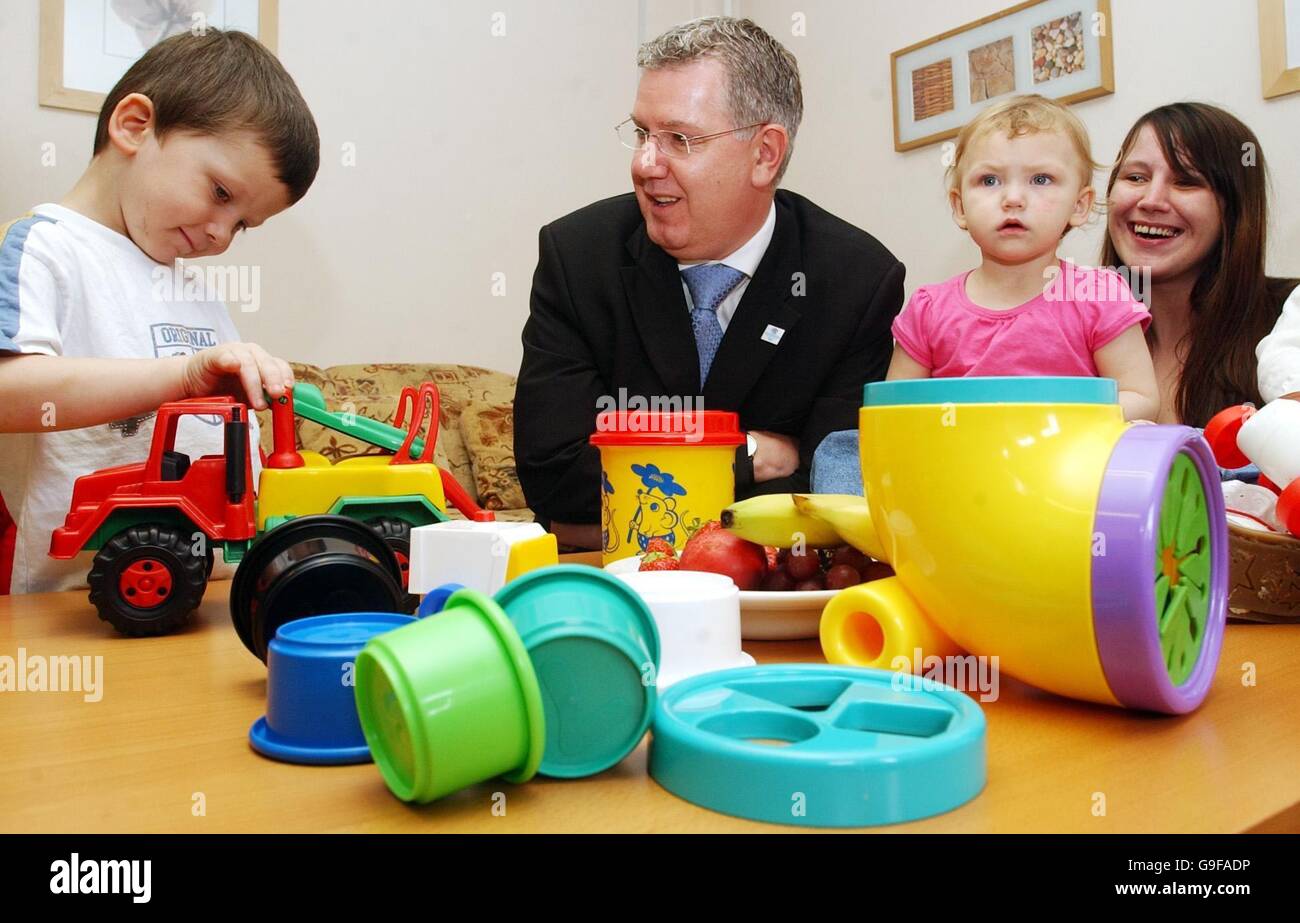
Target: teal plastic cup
column 450, row 701
column 595, row 649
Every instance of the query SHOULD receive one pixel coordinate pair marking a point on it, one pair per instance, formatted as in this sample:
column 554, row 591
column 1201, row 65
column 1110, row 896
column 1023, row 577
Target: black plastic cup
column 312, row 565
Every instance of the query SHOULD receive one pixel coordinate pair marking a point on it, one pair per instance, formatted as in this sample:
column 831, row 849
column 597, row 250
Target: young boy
column 204, row 136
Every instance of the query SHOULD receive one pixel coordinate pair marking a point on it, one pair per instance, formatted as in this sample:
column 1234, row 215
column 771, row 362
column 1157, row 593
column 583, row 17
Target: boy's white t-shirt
column 72, row 287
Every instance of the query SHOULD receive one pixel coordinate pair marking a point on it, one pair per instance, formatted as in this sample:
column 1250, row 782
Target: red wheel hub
column 146, row 583
column 404, row 565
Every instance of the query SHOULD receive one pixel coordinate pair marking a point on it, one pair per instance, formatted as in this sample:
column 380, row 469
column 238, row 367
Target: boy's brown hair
column 213, row 82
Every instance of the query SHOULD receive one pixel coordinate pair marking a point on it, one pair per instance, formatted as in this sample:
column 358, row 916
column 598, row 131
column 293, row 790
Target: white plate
column 764, row 615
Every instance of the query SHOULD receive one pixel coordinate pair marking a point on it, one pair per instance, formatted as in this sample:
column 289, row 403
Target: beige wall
column 466, row 143
column 1165, row 51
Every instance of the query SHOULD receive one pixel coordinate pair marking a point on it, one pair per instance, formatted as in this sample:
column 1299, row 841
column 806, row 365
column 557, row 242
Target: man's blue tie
column 709, row 285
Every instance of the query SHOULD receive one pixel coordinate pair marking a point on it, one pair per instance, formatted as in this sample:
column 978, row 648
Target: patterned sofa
column 475, row 432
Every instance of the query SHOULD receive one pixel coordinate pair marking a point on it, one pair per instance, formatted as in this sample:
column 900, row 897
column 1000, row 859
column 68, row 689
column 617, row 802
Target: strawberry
column 657, row 560
column 661, row 546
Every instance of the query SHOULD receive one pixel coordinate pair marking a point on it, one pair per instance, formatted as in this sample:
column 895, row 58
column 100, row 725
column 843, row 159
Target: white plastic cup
column 698, row 616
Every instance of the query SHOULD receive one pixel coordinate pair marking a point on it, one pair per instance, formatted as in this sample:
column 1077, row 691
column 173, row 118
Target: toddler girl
column 1021, row 179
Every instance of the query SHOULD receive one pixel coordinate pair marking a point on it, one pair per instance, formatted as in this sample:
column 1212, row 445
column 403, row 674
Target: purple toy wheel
column 1160, row 569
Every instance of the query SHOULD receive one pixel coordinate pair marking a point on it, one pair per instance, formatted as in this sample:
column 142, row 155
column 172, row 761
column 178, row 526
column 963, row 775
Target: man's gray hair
column 763, row 77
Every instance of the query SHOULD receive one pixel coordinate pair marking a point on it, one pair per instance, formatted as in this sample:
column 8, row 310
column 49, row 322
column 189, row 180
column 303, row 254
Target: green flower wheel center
column 1182, row 569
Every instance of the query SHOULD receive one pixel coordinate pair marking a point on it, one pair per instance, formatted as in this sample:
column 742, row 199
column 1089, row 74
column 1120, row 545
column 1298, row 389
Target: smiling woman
column 1185, row 173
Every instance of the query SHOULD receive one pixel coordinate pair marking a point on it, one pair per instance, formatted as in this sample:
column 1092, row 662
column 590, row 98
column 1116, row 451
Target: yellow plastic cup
column 662, row 475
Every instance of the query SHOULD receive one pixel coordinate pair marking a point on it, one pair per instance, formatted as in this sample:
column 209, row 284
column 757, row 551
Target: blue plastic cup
column 311, row 712
column 595, row 649
column 436, row 599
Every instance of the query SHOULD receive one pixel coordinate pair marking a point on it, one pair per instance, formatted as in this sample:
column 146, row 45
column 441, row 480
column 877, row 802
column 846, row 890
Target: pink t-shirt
column 1055, row 333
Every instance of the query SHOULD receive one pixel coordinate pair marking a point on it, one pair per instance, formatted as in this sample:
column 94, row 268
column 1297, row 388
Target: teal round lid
column 819, row 745
column 595, row 649
column 571, row 594
column 597, row 703
column 999, row 390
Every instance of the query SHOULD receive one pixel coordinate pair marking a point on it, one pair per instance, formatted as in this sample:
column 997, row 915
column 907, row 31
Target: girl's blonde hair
column 1023, row 115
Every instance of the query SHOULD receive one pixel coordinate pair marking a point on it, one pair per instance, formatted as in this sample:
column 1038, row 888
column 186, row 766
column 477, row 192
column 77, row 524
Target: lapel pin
column 773, row 334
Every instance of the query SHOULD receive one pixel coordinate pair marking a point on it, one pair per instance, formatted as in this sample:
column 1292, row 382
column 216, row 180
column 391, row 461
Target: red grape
column 841, row 576
column 875, row 570
column 803, row 566
column 813, row 583
column 777, row 581
column 850, row 556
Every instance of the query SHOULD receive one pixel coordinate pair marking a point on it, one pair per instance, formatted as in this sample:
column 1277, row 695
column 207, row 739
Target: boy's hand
column 242, row 370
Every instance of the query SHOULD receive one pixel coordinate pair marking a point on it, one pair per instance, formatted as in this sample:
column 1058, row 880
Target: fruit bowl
column 766, row 615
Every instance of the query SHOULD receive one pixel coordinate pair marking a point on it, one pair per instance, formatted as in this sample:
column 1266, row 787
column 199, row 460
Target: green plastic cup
column 595, row 648
column 450, row 701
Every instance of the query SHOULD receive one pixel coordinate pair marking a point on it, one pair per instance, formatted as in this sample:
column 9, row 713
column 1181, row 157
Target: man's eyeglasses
column 670, row 143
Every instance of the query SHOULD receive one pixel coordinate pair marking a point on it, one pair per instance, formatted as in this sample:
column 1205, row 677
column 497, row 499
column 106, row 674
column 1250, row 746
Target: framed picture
column 1059, row 48
column 87, row 45
column 1279, row 46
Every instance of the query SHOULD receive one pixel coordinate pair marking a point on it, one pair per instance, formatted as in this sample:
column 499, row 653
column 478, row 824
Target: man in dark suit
column 705, row 281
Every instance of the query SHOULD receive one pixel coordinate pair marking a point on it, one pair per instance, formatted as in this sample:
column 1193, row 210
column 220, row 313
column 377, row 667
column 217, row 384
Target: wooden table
column 166, row 750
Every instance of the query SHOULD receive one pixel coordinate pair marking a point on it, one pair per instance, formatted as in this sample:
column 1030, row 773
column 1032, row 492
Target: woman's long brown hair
column 1234, row 305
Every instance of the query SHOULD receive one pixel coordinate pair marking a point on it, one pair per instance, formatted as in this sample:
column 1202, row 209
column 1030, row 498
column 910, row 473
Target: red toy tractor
column 155, row 524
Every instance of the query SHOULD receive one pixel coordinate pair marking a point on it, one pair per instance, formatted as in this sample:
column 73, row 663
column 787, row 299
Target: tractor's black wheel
column 146, row 580
column 396, row 533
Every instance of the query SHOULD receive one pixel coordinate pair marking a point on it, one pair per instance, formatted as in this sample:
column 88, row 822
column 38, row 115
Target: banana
column 849, row 515
column 772, row 519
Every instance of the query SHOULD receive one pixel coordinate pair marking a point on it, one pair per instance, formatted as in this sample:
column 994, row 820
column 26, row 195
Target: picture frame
column 86, row 45
column 1279, row 47
column 1059, row 48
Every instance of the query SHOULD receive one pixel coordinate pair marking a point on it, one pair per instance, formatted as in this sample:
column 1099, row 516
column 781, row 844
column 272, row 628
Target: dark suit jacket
column 608, row 312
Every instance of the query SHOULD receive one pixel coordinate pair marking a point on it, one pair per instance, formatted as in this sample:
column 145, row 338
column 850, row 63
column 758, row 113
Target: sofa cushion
column 373, row 391
column 457, row 386
column 488, row 430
